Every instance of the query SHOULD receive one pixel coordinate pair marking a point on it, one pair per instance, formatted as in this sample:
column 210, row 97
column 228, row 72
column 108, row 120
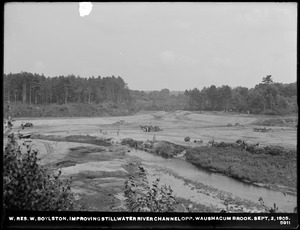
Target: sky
column 153, row 46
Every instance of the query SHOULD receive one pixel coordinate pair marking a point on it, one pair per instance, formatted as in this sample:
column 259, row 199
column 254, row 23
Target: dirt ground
column 175, row 125
column 98, row 173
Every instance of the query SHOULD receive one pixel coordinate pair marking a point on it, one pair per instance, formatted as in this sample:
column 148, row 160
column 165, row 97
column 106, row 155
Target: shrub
column 164, row 149
column 274, row 150
column 187, row 139
column 29, row 186
column 131, row 143
column 268, row 209
column 141, row 197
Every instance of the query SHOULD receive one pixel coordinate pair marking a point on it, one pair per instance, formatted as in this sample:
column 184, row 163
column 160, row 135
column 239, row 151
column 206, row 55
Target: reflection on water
column 243, row 190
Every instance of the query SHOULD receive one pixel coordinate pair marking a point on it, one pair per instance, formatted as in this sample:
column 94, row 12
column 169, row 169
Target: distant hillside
column 67, row 110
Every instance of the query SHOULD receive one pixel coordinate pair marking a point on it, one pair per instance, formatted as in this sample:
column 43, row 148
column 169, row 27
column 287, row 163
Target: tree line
column 267, row 97
column 157, row 100
column 37, row 89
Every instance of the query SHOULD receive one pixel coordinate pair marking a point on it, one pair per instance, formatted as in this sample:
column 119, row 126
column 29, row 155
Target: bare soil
column 99, row 171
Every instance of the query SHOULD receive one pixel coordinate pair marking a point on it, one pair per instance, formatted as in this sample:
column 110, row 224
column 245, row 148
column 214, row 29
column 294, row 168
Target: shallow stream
column 285, row 202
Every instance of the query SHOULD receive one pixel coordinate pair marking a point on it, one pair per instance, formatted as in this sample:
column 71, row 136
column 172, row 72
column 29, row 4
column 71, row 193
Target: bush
column 131, row 143
column 29, row 186
column 274, row 150
column 164, row 149
column 141, row 197
column 187, row 139
column 273, row 209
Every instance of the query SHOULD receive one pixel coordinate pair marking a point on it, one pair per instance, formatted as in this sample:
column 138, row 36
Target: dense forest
column 38, row 89
column 267, row 97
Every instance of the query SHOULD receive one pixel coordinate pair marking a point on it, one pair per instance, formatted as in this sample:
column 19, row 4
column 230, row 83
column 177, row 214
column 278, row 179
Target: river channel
column 285, row 202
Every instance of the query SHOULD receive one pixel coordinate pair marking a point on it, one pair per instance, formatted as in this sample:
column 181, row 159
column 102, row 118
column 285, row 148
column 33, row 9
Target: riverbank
column 276, row 172
column 272, row 167
column 99, row 172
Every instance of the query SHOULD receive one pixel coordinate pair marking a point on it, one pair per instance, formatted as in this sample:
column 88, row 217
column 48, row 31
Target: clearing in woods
column 100, row 170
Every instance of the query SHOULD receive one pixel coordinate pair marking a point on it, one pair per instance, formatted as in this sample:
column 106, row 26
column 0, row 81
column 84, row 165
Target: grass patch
column 167, row 149
column 131, row 143
column 271, row 165
column 86, row 149
column 162, row 148
column 264, row 168
column 64, row 164
column 277, row 122
column 75, row 138
column 82, row 151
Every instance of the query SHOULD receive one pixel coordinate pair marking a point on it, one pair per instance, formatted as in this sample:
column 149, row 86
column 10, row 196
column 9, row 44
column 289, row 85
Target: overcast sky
column 155, row 45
